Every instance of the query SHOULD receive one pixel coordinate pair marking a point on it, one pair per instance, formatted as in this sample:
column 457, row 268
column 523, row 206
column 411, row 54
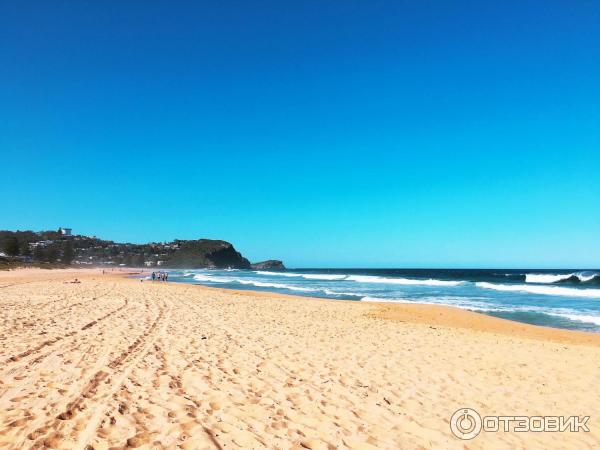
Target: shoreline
column 113, row 362
column 421, row 313
column 442, row 315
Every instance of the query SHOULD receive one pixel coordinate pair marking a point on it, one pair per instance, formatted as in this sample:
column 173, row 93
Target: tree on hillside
column 11, row 246
column 25, row 250
column 67, row 256
column 39, row 254
column 139, row 261
column 52, row 254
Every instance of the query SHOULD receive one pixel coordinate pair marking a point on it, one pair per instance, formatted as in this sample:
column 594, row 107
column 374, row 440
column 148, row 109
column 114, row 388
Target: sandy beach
column 113, row 362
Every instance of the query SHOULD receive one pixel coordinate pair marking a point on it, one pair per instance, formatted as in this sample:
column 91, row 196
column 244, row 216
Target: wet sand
column 118, row 363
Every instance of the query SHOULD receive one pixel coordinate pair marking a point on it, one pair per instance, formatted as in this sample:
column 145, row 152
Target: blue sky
column 327, row 134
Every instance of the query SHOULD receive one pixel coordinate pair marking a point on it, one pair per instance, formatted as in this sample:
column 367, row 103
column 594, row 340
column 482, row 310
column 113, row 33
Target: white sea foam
column 278, row 274
column 458, row 302
column 404, row 281
column 217, row 279
column 276, row 285
column 351, row 294
column 542, row 290
column 220, row 279
column 579, row 318
column 319, row 276
column 546, row 277
column 386, row 300
column 308, row 276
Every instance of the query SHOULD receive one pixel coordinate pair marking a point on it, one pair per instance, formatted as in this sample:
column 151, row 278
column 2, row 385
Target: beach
column 116, row 362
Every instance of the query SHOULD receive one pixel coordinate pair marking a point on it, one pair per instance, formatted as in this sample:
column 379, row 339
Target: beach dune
column 113, row 362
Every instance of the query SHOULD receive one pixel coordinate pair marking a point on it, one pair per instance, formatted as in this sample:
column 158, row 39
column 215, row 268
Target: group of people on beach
column 160, row 276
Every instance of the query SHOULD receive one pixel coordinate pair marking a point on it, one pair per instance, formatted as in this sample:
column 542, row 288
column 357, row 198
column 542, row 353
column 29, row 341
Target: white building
column 65, row 231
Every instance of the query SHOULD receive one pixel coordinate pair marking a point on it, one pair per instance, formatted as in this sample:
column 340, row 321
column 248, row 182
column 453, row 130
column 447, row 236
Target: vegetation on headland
column 50, row 248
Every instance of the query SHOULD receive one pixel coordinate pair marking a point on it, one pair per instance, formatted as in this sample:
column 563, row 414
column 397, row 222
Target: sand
column 118, row 363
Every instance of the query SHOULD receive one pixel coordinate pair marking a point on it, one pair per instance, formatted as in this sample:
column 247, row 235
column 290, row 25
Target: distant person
column 166, row 276
column 153, row 276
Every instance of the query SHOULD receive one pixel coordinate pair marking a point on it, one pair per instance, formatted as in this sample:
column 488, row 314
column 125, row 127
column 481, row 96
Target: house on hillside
column 65, row 231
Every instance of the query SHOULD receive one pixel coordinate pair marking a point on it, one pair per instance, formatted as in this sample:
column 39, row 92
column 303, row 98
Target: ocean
column 557, row 298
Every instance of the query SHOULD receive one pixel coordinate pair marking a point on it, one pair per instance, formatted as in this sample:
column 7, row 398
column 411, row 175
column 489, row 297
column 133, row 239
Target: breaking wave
column 578, row 317
column 219, row 279
column 542, row 290
column 549, row 278
column 405, row 281
column 307, row 276
column 201, row 277
column 276, row 285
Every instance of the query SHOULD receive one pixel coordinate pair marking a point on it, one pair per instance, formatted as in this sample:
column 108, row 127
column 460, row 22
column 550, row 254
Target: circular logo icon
column 465, row 423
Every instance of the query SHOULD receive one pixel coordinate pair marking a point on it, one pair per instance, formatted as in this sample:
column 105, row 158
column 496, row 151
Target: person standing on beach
column 153, row 276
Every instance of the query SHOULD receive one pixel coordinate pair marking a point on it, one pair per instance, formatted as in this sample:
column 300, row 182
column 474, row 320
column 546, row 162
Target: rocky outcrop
column 271, row 264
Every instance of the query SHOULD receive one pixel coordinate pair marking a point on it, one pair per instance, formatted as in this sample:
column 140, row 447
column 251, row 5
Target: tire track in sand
column 15, row 372
column 102, row 385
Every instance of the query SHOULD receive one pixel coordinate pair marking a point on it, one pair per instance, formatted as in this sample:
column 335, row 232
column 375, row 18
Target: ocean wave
column 579, row 318
column 458, row 302
column 564, row 313
column 278, row 274
column 220, row 279
column 546, row 277
column 276, row 285
column 307, row 276
column 461, row 302
column 575, row 277
column 200, row 277
column 404, row 281
column 324, row 277
column 348, row 294
column 542, row 290
column 387, row 300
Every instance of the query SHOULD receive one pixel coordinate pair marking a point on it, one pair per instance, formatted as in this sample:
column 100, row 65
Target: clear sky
column 324, row 133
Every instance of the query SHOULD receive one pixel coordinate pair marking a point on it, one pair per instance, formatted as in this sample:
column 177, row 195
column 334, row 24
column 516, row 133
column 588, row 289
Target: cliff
column 206, row 253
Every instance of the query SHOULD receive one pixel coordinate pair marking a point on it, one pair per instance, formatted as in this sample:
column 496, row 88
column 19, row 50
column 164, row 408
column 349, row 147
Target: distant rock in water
column 206, row 253
column 271, row 264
